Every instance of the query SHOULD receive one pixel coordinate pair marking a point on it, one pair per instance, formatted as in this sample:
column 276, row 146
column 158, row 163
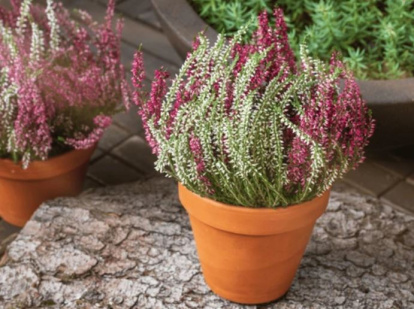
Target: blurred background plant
column 61, row 80
column 375, row 37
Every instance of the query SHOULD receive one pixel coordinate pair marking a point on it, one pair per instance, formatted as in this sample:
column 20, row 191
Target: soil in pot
column 23, row 190
column 250, row 255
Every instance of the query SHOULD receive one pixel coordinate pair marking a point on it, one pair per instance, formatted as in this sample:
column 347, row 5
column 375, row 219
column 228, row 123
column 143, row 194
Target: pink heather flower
column 158, row 91
column 138, row 76
column 281, row 41
column 61, row 92
column 82, row 141
column 151, row 110
column 196, row 149
column 30, row 125
column 138, row 71
column 110, row 10
column 195, row 45
column 298, row 163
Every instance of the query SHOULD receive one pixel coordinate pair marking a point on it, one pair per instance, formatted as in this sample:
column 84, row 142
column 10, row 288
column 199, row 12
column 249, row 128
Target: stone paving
column 131, row 246
column 123, row 155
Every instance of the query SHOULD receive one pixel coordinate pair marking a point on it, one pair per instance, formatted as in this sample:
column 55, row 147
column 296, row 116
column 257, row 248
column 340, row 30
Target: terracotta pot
column 391, row 101
column 250, row 255
column 22, row 191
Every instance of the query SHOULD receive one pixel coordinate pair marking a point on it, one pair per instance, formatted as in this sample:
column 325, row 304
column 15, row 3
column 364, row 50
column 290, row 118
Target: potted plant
column 375, row 38
column 255, row 142
column 61, row 81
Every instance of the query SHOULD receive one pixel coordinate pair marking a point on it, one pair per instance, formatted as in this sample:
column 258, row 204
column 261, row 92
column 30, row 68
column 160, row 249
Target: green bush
column 375, row 37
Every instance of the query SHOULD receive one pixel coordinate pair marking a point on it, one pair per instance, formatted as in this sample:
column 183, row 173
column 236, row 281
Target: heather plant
column 242, row 124
column 376, row 37
column 60, row 79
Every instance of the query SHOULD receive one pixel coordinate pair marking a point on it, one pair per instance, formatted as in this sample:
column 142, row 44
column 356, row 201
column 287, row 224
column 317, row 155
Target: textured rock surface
column 132, row 247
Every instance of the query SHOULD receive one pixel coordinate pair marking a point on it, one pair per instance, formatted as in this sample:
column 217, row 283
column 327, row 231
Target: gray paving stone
column 397, row 165
column 105, row 2
column 130, row 121
column 97, row 154
column 113, row 136
column 152, row 40
column 7, row 229
column 342, row 186
column 136, row 152
column 133, row 8
column 401, row 196
column 371, row 179
column 150, row 18
column 91, row 183
column 111, row 171
column 140, row 10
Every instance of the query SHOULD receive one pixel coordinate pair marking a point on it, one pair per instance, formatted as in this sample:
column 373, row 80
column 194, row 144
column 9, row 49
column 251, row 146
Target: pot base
column 246, row 299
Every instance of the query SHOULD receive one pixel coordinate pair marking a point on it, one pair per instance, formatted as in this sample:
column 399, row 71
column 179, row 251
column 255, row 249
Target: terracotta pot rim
column 251, row 221
column 264, row 210
column 38, row 170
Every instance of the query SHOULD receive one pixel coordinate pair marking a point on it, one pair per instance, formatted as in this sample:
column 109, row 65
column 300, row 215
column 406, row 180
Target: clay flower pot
column 23, row 190
column 250, row 255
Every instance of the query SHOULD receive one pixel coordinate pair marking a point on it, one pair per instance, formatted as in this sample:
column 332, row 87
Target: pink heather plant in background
column 246, row 124
column 61, row 80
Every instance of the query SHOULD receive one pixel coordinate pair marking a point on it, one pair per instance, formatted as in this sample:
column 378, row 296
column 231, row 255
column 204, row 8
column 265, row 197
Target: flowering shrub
column 244, row 125
column 60, row 81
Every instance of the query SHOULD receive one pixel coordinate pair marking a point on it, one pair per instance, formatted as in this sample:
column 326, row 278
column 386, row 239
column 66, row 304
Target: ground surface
column 123, row 156
column 131, row 246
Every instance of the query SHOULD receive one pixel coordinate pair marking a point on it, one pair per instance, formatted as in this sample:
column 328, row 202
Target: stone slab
column 113, row 136
column 111, row 171
column 130, row 120
column 397, row 165
column 371, row 179
column 140, row 10
column 131, row 246
column 401, row 196
column 150, row 18
column 136, row 152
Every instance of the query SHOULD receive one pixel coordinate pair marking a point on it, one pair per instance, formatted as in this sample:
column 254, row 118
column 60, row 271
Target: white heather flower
column 24, row 14
column 54, row 27
column 38, row 43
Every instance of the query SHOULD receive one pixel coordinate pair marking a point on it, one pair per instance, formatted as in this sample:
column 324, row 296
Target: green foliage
column 375, row 37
